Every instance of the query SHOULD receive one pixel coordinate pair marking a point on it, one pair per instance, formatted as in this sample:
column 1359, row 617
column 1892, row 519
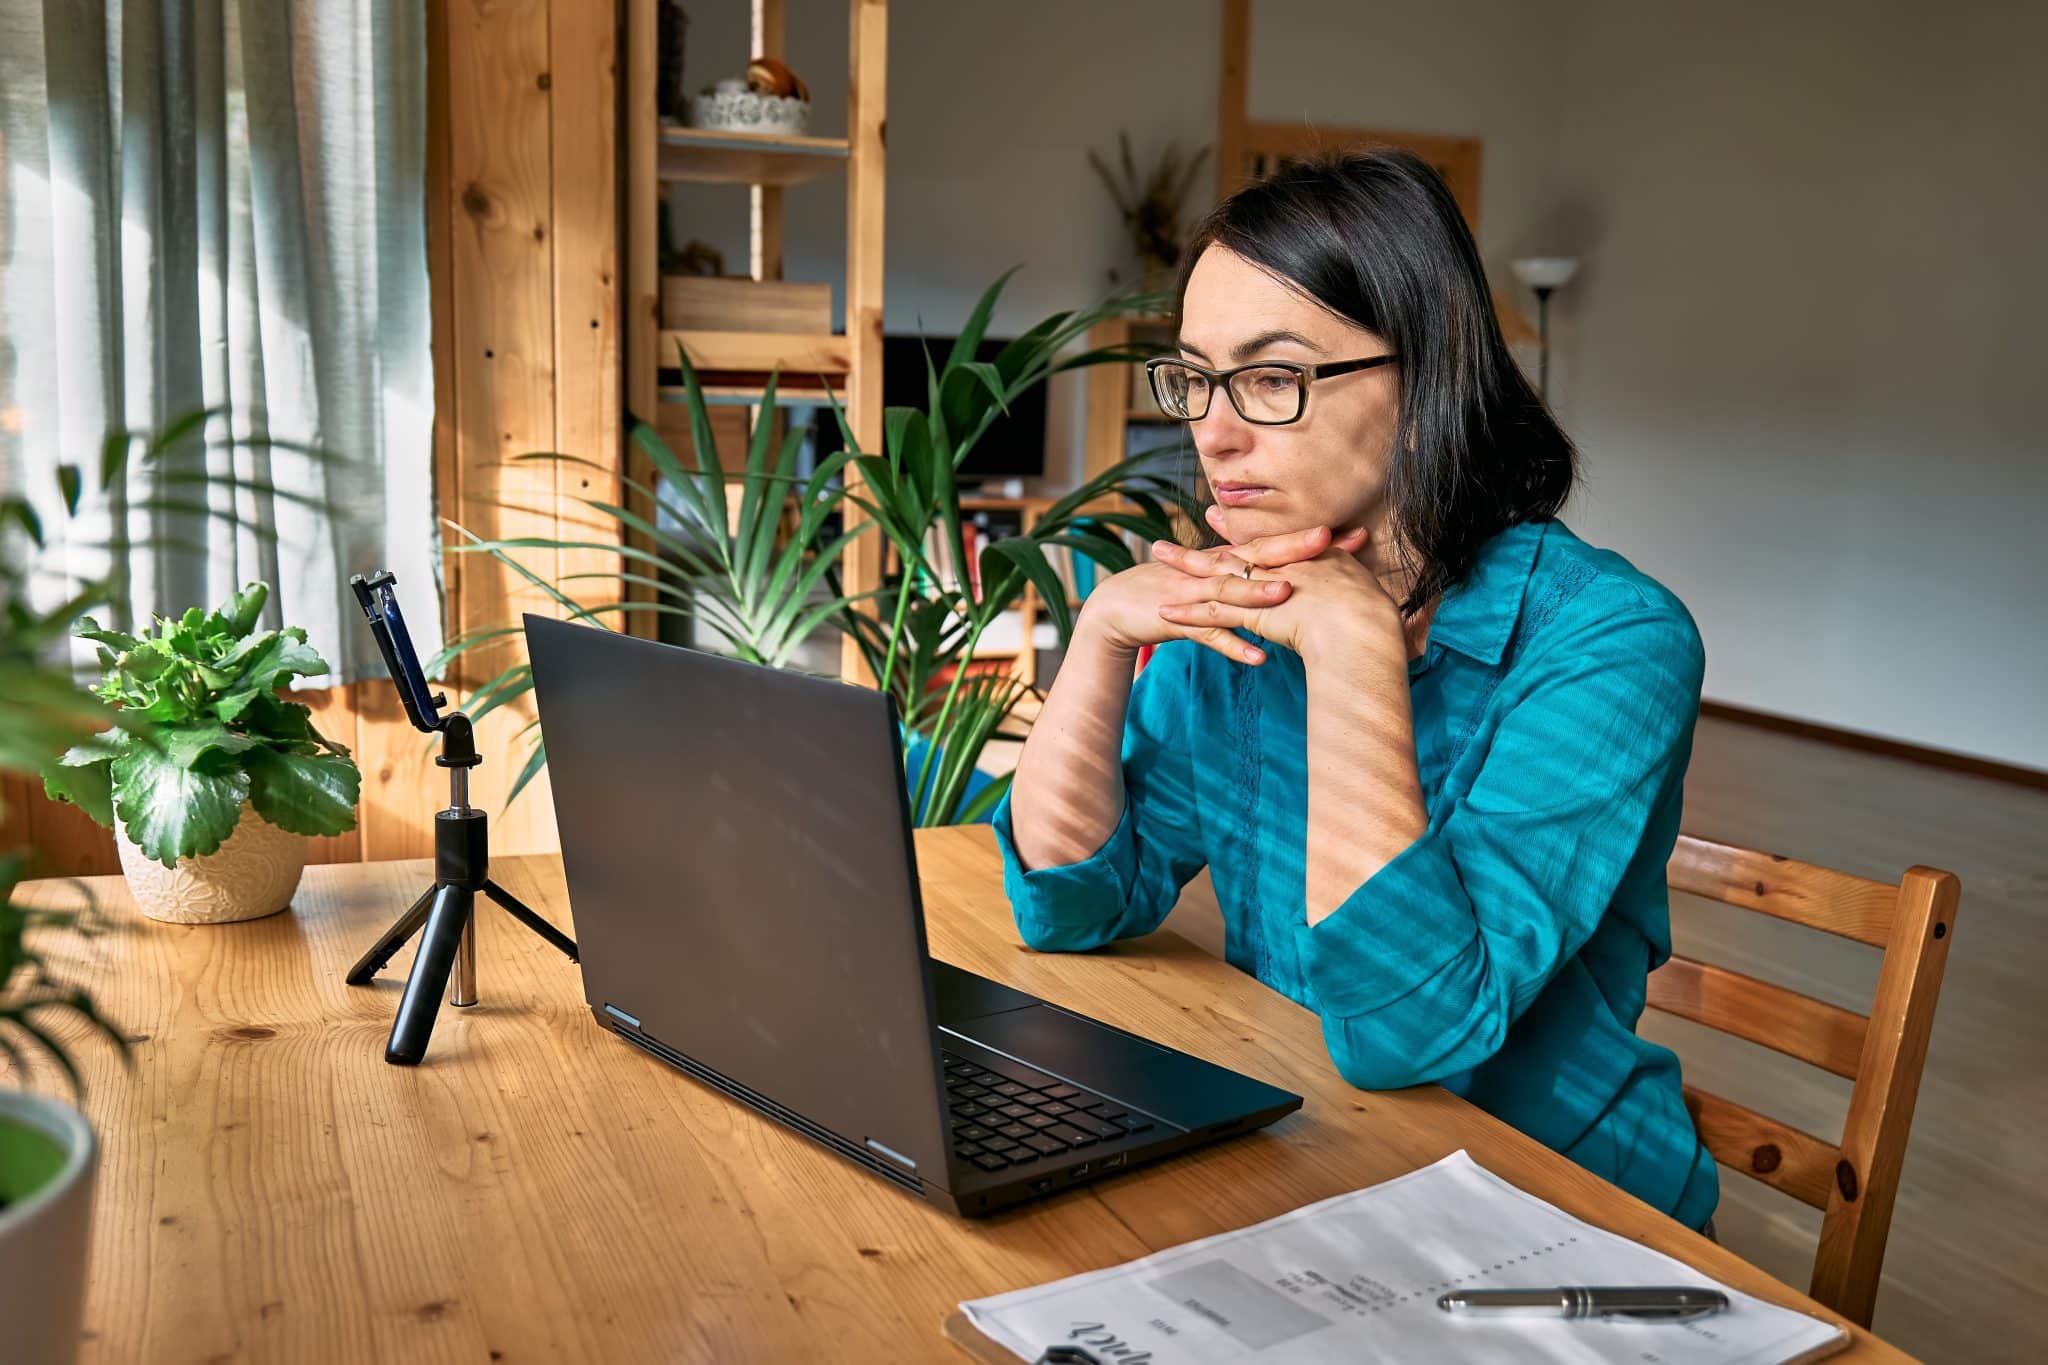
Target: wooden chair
column 1856, row 1180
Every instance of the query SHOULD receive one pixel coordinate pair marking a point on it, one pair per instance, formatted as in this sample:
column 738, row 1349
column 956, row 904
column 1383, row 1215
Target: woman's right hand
column 1123, row 611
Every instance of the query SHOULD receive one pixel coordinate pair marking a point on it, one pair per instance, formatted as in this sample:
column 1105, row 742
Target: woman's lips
column 1239, row 494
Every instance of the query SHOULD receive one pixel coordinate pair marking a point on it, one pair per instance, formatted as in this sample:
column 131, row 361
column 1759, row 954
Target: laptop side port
column 1041, row 1185
column 1081, row 1170
column 1111, row 1163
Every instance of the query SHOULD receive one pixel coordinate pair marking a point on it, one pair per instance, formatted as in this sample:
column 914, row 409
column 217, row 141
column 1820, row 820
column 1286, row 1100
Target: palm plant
column 764, row 582
column 921, row 654
column 755, row 588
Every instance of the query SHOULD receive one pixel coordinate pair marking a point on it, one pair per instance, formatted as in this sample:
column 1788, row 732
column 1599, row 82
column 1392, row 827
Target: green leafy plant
column 743, row 553
column 28, row 990
column 922, row 635
column 220, row 734
column 47, row 709
column 755, row 552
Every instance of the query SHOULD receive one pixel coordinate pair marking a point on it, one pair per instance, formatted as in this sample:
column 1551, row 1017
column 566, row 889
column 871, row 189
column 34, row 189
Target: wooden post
column 866, row 117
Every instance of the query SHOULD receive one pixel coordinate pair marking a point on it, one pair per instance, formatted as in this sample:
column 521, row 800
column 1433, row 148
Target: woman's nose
column 1220, row 433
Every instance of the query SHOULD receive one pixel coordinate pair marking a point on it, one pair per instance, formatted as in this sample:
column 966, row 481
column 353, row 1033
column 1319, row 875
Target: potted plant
column 211, row 808
column 713, row 541
column 48, row 1155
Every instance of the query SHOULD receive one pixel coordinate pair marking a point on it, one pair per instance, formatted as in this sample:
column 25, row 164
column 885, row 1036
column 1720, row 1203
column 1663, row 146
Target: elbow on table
column 1378, row 1058
column 1042, row 935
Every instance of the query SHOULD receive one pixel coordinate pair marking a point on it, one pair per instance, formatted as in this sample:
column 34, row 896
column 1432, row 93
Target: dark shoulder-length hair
column 1376, row 238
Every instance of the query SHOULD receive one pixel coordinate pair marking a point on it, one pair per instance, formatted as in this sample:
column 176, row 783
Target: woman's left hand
column 1337, row 610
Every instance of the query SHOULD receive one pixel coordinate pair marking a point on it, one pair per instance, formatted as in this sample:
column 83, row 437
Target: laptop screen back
column 739, row 866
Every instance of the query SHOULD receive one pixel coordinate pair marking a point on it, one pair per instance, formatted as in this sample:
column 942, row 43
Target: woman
column 1429, row 743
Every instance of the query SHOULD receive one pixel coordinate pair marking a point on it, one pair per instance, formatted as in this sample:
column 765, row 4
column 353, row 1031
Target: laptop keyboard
column 1007, row 1115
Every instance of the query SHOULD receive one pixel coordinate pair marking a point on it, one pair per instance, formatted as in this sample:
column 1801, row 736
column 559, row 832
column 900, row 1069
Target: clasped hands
column 1303, row 589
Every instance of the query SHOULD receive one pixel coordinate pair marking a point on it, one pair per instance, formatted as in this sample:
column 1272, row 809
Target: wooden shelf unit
column 734, row 365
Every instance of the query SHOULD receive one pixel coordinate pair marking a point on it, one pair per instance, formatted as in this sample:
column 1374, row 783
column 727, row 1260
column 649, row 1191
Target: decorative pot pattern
column 252, row 875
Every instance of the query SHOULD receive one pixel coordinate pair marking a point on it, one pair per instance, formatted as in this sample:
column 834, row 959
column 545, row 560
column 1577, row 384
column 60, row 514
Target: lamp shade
column 1546, row 272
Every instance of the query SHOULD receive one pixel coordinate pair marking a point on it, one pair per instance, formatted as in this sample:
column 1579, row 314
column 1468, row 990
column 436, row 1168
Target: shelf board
column 712, row 157
column 743, row 395
column 801, row 356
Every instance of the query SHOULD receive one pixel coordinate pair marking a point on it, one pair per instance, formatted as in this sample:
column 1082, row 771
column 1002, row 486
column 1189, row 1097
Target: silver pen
column 1647, row 1303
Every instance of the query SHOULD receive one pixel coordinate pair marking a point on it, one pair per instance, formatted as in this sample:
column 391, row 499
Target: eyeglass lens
column 1263, row 394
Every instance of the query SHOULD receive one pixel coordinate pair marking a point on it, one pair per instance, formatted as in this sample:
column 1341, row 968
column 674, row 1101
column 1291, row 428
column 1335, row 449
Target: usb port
column 1041, row 1185
column 1082, row 1170
column 1110, row 1163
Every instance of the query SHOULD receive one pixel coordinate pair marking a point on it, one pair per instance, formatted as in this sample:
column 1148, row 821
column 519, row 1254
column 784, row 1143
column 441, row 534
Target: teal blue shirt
column 1503, row 954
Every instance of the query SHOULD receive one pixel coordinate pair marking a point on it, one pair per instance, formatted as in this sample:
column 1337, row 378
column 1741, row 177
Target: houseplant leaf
column 303, row 793
column 172, row 810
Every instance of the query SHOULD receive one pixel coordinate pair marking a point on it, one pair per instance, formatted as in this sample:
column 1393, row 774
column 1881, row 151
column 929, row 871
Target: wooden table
column 538, row 1191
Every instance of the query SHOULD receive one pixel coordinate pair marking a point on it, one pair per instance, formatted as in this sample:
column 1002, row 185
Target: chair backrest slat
column 1778, row 1154
column 1784, row 1020
column 1857, row 1181
column 1859, row 1216
column 1817, row 897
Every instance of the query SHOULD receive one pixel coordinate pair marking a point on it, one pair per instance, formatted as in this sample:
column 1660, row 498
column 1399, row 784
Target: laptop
column 737, row 844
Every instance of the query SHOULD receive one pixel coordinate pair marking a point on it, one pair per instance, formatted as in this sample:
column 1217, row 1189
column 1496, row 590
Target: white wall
column 1805, row 357
column 1797, row 357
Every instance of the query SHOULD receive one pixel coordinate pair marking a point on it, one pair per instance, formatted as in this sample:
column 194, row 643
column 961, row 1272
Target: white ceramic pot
column 252, row 875
column 47, row 1162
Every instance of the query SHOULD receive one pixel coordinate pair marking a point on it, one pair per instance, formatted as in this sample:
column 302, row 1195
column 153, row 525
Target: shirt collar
column 1477, row 615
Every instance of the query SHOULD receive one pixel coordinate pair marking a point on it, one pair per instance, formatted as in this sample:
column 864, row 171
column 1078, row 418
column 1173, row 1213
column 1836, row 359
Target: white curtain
column 220, row 204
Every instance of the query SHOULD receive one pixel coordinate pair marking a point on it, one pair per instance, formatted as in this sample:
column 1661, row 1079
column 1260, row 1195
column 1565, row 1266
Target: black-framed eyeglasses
column 1268, row 393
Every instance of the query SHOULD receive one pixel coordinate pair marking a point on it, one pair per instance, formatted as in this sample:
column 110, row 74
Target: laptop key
column 1088, row 1123
column 967, row 1148
column 974, row 1132
column 1008, row 1088
column 970, row 1092
column 1001, row 1146
column 1106, row 1111
column 1055, row 1107
column 1038, row 1142
column 1135, row 1123
column 1014, row 1130
column 970, row 1110
column 1038, row 1121
column 1014, row 1111
column 1061, row 1092
column 1073, row 1137
column 989, row 1161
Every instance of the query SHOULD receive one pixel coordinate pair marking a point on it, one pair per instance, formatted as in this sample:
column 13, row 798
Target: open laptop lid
column 737, row 846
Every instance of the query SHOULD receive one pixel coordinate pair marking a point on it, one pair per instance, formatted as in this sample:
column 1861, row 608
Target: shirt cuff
column 1071, row 895
column 1392, row 934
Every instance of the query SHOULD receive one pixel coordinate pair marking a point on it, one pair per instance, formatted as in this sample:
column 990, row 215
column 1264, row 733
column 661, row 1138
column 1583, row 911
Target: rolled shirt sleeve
column 1422, row 970
column 1128, row 886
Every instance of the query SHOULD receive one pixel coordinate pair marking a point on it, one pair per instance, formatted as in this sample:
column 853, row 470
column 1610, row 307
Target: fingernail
column 1163, row 547
column 1254, row 656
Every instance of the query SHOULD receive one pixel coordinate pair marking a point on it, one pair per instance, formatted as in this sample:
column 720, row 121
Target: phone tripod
column 462, row 867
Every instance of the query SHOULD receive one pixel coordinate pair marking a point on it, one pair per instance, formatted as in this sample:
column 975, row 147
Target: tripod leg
column 429, row 980
column 381, row 952
column 527, row 917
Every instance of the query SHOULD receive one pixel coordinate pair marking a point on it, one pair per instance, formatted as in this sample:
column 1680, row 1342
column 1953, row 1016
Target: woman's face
column 1327, row 469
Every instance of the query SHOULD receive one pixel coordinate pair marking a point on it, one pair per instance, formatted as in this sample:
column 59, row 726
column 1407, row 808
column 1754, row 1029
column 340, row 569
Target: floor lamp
column 1545, row 275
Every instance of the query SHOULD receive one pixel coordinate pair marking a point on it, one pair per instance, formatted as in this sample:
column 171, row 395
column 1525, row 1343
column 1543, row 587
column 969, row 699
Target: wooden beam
column 1233, row 95
column 866, row 121
column 582, row 103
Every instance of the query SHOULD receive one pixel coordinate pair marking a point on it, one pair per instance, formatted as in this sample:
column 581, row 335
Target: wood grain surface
column 539, row 1191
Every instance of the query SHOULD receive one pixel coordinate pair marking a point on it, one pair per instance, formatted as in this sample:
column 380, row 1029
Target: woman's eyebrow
column 1244, row 350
